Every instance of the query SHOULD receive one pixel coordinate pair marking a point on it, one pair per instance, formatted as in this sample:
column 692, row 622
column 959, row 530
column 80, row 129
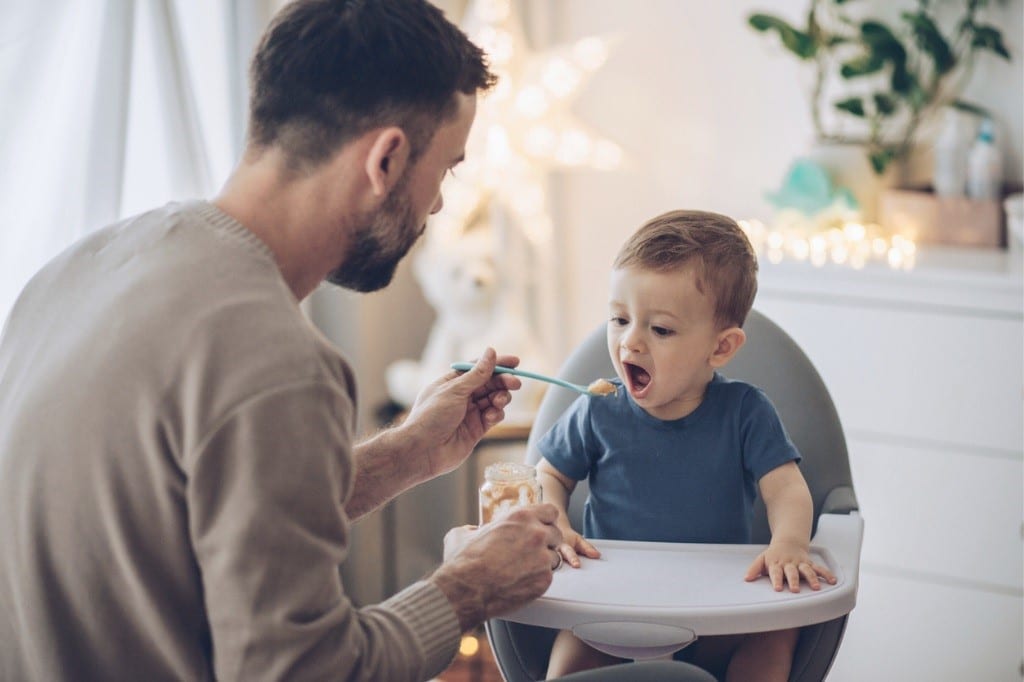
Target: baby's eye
column 662, row 331
column 618, row 321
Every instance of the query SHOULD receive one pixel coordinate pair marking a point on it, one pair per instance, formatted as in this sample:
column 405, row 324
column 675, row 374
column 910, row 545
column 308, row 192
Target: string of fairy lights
column 852, row 244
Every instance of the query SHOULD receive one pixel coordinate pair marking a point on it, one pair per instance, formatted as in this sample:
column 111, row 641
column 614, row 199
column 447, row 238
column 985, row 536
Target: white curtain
column 111, row 107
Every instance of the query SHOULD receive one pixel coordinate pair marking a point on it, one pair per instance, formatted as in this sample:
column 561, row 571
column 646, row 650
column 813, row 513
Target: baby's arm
column 790, row 514
column 557, row 489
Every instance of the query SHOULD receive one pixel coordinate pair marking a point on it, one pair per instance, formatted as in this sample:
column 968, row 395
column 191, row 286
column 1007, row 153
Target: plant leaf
column 852, row 105
column 861, row 66
column 884, row 104
column 877, row 33
column 970, row 108
column 798, row 42
column 904, row 82
column 880, row 159
column 916, row 96
column 989, row 38
column 929, row 39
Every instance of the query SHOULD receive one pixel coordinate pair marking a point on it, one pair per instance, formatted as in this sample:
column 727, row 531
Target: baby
column 679, row 452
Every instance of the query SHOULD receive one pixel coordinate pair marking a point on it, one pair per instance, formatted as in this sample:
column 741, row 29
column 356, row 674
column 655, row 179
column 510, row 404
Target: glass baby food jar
column 507, row 485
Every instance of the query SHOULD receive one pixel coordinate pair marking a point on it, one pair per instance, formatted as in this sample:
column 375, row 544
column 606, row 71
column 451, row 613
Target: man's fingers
column 482, row 370
column 508, row 360
column 547, row 513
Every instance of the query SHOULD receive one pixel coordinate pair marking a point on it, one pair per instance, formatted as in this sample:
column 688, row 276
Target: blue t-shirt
column 687, row 480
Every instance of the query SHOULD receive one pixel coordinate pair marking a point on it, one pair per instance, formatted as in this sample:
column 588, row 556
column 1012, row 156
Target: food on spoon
column 601, row 387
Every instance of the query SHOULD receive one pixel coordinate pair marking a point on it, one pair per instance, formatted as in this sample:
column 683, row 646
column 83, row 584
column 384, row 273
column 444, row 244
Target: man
column 177, row 467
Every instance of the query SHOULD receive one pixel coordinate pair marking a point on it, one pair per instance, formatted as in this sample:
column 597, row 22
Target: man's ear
column 387, row 158
column 729, row 342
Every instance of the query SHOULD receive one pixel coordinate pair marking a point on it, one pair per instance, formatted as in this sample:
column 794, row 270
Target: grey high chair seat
column 771, row 360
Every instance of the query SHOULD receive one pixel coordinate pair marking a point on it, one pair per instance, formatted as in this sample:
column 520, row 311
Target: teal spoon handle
column 465, row 366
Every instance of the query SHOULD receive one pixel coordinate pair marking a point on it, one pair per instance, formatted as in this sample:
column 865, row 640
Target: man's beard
column 378, row 245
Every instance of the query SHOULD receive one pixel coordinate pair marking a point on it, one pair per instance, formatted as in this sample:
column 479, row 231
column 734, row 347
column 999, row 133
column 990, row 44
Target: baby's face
column 661, row 335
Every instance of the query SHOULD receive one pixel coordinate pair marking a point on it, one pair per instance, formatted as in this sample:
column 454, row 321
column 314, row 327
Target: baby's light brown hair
column 725, row 261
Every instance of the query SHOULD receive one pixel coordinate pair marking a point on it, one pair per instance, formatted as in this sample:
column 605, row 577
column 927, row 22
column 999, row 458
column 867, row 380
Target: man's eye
column 451, row 172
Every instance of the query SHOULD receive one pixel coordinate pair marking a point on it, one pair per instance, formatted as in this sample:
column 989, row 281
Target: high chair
column 647, row 600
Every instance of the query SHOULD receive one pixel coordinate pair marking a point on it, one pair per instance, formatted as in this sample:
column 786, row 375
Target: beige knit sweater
column 175, row 452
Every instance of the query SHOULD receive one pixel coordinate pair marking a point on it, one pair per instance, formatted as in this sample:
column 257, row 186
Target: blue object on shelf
column 808, row 188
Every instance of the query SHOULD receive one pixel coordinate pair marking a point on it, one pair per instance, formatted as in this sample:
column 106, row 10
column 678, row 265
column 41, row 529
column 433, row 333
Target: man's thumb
column 481, row 371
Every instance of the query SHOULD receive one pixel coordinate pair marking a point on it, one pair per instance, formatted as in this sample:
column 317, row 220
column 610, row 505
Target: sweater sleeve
column 265, row 499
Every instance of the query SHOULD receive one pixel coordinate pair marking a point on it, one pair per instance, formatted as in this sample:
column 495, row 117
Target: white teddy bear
column 461, row 278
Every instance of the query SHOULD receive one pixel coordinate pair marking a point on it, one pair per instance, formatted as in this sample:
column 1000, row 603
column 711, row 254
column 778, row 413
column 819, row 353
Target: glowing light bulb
column 501, row 48
column 469, row 645
column 855, row 231
column 801, row 249
column 560, row 77
column 895, row 258
column 590, row 53
column 532, row 102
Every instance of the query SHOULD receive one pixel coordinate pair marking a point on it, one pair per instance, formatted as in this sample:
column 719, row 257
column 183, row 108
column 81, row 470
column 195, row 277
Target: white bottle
column 984, row 165
column 949, row 172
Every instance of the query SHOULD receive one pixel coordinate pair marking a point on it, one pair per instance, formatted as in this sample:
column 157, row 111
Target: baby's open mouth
column 639, row 377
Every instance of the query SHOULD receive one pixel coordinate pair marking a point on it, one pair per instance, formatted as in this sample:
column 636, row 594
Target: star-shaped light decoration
column 524, row 128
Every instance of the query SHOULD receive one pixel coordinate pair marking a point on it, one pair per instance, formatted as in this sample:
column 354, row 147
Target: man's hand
column 787, row 563
column 452, row 414
column 500, row 566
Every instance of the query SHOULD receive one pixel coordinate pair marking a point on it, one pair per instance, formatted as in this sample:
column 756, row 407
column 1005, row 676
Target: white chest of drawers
column 925, row 368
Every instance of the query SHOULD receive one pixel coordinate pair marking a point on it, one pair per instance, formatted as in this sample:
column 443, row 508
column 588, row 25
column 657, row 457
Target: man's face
column 385, row 236
column 379, row 243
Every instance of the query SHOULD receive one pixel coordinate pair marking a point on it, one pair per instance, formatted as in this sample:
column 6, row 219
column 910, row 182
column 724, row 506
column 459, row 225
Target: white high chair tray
column 645, row 599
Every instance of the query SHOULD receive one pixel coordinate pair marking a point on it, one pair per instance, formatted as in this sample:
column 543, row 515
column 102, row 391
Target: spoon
column 599, row 387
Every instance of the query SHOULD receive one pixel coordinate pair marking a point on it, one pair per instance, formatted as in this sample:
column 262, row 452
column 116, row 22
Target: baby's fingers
column 586, row 549
column 756, row 569
column 569, row 554
column 823, row 571
column 792, row 577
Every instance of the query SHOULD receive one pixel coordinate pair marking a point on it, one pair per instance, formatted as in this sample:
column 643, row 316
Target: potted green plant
column 885, row 78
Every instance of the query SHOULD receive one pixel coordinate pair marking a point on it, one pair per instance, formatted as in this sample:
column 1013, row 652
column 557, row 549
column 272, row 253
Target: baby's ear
column 730, row 340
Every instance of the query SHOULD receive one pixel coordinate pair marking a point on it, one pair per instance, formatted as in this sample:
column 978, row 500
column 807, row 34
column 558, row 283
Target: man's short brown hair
column 327, row 71
column 714, row 243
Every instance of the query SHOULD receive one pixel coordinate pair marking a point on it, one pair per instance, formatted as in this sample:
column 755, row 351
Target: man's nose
column 438, row 205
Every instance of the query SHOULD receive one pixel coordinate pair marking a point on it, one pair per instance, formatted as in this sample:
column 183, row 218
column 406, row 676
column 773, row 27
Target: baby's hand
column 786, row 562
column 574, row 544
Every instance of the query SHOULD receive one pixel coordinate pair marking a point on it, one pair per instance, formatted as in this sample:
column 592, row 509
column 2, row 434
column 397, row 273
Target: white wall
column 710, row 114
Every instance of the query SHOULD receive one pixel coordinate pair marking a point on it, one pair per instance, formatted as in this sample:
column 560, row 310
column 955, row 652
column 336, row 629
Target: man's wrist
column 467, row 599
